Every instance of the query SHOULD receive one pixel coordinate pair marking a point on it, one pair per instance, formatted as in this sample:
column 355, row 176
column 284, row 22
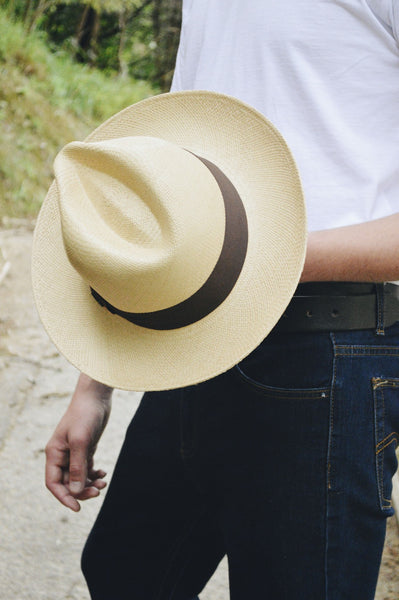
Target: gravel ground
column 40, row 541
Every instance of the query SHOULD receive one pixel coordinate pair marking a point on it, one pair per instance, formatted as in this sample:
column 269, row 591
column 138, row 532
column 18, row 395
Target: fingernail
column 75, row 487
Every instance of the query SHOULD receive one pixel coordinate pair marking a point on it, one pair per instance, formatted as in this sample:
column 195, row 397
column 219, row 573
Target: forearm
column 365, row 252
column 95, row 389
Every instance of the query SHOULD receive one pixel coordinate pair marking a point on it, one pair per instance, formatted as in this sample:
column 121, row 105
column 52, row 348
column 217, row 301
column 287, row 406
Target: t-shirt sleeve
column 395, row 18
column 387, row 12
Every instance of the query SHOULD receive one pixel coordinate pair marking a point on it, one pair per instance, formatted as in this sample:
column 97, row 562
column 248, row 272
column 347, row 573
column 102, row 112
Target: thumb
column 78, row 467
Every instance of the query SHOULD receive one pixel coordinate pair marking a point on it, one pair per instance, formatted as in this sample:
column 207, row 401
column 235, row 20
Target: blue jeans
column 284, row 463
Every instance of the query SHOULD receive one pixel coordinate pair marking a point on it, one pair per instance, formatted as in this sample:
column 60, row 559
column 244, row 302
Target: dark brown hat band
column 220, row 282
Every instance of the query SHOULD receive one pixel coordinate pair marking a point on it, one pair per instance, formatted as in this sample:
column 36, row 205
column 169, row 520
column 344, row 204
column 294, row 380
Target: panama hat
column 170, row 242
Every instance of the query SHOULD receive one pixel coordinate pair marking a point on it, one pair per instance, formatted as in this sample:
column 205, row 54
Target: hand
column 70, row 474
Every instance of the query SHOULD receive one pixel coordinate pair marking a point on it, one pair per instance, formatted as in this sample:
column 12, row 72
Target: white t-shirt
column 326, row 73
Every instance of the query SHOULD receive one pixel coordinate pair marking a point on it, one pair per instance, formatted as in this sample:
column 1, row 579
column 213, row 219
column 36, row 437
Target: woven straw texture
column 255, row 157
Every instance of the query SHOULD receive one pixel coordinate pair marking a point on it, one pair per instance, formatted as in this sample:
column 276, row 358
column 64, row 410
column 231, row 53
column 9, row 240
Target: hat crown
column 83, row 223
column 135, row 220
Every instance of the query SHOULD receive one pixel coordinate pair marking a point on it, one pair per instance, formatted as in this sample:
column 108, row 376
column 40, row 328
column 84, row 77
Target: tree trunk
column 38, row 12
column 27, row 13
column 10, row 7
column 167, row 22
column 87, row 35
column 123, row 20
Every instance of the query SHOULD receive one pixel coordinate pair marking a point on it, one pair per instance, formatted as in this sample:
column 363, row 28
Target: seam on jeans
column 386, row 503
column 366, row 350
column 282, row 393
column 376, row 346
column 332, row 407
column 388, row 382
column 384, row 443
column 368, row 353
column 175, row 548
column 328, row 466
column 380, row 309
column 322, row 395
column 377, row 458
column 383, row 434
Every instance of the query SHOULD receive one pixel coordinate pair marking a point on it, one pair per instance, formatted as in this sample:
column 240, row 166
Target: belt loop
column 379, row 290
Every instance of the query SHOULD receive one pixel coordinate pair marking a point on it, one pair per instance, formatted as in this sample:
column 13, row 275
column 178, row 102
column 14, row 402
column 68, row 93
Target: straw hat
column 170, row 243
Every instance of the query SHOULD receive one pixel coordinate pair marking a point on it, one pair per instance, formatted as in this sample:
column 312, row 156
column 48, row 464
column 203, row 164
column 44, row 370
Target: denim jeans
column 284, row 463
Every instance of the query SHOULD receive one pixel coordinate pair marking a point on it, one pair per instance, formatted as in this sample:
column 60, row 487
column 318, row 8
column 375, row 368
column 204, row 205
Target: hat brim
column 254, row 155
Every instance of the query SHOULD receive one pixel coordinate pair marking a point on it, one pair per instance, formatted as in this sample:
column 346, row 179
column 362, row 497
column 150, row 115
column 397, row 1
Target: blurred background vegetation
column 66, row 66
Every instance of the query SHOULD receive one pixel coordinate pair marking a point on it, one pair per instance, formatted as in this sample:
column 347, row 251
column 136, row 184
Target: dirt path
column 40, row 541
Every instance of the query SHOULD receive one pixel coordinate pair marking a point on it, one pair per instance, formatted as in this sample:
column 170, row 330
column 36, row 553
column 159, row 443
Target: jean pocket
column 386, row 422
column 282, row 393
column 292, row 362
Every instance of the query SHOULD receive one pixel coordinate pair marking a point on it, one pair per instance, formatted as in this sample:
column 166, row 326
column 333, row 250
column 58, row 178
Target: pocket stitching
column 282, row 393
column 385, row 503
column 395, row 438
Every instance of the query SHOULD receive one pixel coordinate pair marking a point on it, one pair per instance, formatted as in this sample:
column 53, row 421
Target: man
column 289, row 456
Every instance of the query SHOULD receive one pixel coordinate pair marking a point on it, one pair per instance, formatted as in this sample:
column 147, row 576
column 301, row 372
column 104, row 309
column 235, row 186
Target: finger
column 77, row 466
column 88, row 493
column 96, row 474
column 97, row 483
column 56, row 459
column 59, row 489
column 64, row 496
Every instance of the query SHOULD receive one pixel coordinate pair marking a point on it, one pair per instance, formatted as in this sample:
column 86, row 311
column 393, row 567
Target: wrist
column 314, row 268
column 95, row 390
column 99, row 389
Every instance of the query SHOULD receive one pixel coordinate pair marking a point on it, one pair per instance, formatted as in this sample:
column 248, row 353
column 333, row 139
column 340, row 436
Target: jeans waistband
column 340, row 306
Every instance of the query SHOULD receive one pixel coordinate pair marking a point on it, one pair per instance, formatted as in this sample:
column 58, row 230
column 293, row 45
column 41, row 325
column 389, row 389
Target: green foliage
column 110, row 6
column 130, row 37
column 46, row 100
column 116, row 41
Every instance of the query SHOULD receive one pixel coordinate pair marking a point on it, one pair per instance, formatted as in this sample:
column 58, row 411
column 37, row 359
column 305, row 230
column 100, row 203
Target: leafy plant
column 46, row 100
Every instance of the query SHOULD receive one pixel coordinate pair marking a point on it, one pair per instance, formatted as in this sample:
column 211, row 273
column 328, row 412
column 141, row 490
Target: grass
column 46, row 101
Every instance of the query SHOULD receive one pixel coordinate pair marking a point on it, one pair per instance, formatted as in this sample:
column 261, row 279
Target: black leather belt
column 339, row 306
